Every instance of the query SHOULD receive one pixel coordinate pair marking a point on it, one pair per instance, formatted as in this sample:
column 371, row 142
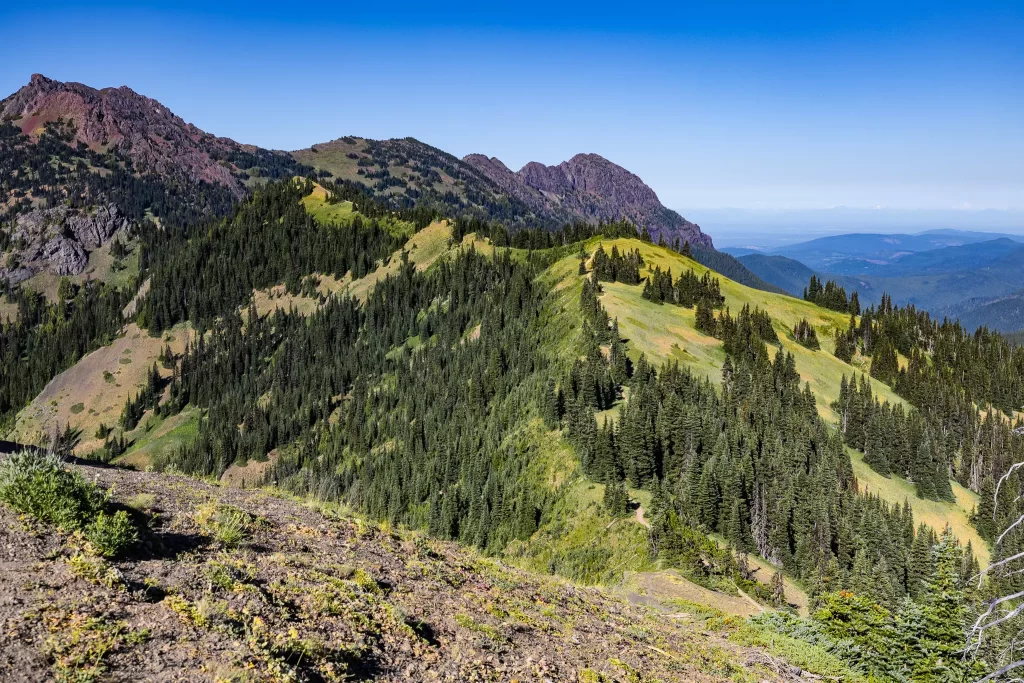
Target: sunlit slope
column 343, row 213
column 666, row 332
column 93, row 392
column 934, row 513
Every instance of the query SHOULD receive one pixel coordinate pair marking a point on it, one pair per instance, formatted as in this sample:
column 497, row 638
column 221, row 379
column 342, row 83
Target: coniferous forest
column 419, row 404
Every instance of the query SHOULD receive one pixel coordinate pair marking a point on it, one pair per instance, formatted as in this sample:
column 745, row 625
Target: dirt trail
column 752, row 601
column 640, row 518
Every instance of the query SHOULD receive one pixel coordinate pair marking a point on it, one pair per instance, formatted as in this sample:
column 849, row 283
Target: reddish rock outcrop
column 591, row 188
column 140, row 128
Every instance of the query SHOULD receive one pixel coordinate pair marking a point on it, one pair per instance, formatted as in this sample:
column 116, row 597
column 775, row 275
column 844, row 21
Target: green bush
column 39, row 485
column 111, row 535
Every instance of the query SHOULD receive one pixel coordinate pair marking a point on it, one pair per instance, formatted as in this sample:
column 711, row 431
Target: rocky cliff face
column 119, row 119
column 591, row 188
column 58, row 240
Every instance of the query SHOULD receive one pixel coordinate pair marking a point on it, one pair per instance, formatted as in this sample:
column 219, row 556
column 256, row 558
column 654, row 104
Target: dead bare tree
column 1002, row 609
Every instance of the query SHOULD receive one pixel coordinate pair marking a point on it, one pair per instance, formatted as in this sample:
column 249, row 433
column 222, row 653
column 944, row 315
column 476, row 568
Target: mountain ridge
column 143, row 129
column 117, row 128
column 593, row 188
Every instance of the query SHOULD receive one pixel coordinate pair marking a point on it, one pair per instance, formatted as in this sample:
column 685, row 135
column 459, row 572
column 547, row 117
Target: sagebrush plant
column 39, row 485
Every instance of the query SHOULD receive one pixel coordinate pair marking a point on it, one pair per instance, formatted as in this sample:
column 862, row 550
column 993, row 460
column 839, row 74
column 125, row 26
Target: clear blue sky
column 901, row 105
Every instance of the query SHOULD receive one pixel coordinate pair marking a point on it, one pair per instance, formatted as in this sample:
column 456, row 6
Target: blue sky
column 715, row 105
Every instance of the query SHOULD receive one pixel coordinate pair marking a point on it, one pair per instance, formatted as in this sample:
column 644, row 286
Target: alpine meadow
column 369, row 410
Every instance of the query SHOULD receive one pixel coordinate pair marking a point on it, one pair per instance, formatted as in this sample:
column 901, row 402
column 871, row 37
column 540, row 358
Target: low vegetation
column 42, row 487
column 319, row 595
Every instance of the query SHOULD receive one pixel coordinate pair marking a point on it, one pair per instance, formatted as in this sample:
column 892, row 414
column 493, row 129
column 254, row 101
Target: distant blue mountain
column 823, row 253
column 793, row 276
column 947, row 259
column 741, row 251
column 977, row 278
column 1002, row 313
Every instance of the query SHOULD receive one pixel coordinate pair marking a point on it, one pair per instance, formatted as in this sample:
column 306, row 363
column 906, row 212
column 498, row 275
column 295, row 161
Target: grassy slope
column 342, row 213
column 668, row 333
column 333, row 157
column 933, row 513
column 270, row 299
column 664, row 332
column 159, row 436
column 84, row 397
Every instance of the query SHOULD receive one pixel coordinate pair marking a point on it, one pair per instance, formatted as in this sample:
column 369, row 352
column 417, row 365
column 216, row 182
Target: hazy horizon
column 737, row 227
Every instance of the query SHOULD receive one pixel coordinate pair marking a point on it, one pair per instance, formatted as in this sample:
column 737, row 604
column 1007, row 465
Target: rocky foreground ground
column 233, row 585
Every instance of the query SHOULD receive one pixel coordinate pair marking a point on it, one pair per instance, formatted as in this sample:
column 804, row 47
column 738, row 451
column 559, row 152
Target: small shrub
column 111, row 535
column 40, row 486
column 142, row 502
column 95, row 570
column 77, row 408
column 226, row 523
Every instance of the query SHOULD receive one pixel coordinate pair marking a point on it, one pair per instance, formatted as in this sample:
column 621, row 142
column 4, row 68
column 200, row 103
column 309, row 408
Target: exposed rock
column 140, row 128
column 94, row 229
column 58, row 240
column 591, row 188
column 64, row 256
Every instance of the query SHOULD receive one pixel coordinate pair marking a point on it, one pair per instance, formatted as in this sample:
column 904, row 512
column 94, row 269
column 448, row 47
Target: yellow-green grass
column 665, row 586
column 270, row 299
column 424, row 249
column 580, row 541
column 156, row 436
column 101, row 266
column 342, row 213
column 763, row 571
column 95, row 389
column 666, row 332
column 936, row 514
column 562, row 324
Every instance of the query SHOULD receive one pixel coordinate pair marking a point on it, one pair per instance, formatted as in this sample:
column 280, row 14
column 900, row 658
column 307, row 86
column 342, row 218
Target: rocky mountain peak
column 121, row 120
column 592, row 188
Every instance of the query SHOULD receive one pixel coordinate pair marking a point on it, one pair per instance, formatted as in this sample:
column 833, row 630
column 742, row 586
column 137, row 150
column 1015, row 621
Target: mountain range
column 394, row 349
column 154, row 141
column 974, row 277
